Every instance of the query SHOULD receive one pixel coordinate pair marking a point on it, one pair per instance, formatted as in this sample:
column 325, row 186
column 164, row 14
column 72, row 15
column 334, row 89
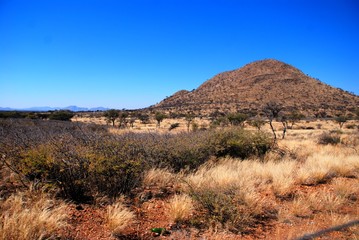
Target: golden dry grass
column 345, row 189
column 118, row 217
column 31, row 216
column 326, row 164
column 160, row 178
column 180, row 207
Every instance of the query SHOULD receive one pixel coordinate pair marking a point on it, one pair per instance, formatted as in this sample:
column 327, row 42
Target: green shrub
column 241, row 143
column 62, row 115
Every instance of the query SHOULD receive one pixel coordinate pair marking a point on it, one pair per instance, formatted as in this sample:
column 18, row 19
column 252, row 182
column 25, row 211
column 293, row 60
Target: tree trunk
column 271, row 126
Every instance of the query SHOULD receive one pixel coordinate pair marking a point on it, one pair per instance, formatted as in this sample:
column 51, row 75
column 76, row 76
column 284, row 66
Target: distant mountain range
column 45, row 109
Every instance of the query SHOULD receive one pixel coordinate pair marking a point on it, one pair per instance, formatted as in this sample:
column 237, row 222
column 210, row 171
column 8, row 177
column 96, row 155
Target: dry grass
column 344, row 188
column 248, row 176
column 118, row 217
column 324, row 200
column 324, row 165
column 180, row 207
column 31, row 216
column 160, row 178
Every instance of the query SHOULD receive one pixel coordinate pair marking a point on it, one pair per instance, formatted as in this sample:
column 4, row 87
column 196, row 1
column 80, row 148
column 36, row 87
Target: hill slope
column 252, row 86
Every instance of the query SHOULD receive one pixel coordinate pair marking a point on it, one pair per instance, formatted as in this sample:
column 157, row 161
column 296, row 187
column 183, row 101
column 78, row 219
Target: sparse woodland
column 148, row 175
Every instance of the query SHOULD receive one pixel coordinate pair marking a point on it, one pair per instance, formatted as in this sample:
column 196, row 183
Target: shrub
column 240, row 143
column 82, row 160
column 329, row 138
column 62, row 115
column 173, row 126
column 237, row 119
column 341, row 120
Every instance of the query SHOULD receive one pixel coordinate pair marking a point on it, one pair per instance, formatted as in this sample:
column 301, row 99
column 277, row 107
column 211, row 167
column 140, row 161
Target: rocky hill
column 249, row 88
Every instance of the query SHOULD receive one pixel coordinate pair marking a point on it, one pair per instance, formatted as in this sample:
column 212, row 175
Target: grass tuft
column 119, row 217
column 31, row 217
column 180, row 207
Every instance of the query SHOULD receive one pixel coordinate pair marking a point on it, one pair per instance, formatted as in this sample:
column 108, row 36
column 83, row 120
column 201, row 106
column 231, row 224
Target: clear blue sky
column 133, row 53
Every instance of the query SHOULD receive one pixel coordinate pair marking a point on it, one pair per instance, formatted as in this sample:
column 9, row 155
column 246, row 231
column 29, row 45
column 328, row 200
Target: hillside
column 249, row 88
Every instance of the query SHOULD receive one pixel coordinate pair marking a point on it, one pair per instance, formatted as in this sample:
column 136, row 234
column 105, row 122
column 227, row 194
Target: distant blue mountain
column 45, row 109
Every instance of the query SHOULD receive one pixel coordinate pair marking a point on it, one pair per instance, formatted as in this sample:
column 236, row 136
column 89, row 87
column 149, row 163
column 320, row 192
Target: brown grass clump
column 159, row 177
column 180, row 207
column 344, row 188
column 31, row 217
column 118, row 217
column 299, row 208
column 324, row 201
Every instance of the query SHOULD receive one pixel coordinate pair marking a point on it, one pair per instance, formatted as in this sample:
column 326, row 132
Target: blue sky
column 133, row 53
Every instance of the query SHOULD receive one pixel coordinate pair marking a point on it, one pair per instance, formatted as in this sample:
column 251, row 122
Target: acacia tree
column 123, row 119
column 294, row 117
column 284, row 120
column 159, row 118
column 257, row 123
column 341, row 120
column 237, row 119
column 144, row 118
column 189, row 118
column 272, row 110
column 111, row 115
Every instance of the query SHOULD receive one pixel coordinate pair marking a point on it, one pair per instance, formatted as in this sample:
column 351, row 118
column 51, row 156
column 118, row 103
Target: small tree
column 272, row 110
column 294, row 117
column 341, row 120
column 257, row 123
column 144, row 118
column 284, row 120
column 189, row 118
column 237, row 119
column 122, row 118
column 111, row 115
column 159, row 118
column 132, row 121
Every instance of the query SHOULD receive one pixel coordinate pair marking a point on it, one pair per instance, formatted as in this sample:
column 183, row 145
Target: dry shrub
column 31, row 217
column 180, row 207
column 118, row 217
column 83, row 161
column 329, row 138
